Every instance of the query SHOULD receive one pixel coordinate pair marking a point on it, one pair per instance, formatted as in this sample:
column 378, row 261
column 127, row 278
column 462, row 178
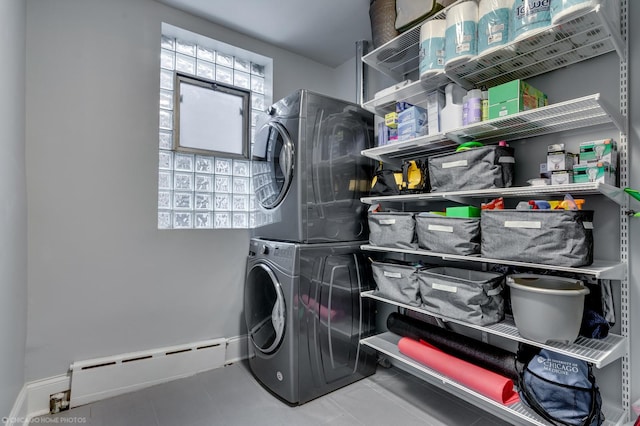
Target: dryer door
column 264, row 308
column 273, row 177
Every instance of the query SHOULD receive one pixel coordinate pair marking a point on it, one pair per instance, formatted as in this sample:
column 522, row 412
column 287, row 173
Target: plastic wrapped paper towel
column 432, row 45
column 461, row 33
column 493, row 23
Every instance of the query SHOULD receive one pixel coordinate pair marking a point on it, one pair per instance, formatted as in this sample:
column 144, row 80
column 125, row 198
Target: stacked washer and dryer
column 305, row 270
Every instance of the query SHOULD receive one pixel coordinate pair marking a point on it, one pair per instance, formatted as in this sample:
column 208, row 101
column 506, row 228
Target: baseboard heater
column 101, row 378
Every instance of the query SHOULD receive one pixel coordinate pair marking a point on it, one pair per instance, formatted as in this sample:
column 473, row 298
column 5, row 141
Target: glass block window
column 199, row 191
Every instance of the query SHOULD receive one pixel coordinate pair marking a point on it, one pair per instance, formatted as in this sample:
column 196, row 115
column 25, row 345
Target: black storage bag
column 550, row 237
column 477, row 168
column 561, row 389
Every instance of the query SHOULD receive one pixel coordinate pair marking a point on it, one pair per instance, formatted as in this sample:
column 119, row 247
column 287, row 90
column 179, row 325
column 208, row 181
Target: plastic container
column 474, row 106
column 451, row 114
column 547, row 308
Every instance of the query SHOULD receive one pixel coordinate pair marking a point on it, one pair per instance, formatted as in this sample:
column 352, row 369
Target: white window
column 204, row 179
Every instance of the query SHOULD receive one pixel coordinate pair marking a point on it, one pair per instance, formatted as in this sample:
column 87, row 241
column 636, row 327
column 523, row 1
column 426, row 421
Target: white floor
column 231, row 396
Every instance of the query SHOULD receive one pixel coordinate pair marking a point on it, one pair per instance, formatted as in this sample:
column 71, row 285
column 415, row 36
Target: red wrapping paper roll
column 485, row 382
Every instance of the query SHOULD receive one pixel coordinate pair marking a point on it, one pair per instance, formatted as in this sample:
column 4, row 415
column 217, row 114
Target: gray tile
column 181, row 402
column 230, row 396
column 372, row 407
column 123, row 410
column 321, row 411
column 78, row 415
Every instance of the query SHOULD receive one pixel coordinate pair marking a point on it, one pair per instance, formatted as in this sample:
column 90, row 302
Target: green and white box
column 595, row 172
column 599, row 151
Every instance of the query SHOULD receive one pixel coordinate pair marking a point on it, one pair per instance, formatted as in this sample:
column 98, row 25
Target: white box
column 559, row 161
column 561, row 177
column 435, row 103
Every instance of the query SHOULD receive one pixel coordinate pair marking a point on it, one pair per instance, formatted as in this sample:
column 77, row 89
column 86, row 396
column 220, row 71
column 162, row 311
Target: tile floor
column 230, row 396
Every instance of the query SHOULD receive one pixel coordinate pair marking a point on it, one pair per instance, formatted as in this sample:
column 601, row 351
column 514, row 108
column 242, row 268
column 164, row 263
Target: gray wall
column 13, row 215
column 102, row 279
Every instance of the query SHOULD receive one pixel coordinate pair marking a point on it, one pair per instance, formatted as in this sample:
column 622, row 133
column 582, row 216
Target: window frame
column 216, row 86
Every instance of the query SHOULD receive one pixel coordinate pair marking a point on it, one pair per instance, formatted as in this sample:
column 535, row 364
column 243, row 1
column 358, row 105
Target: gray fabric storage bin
column 454, row 235
column 477, row 168
column 396, row 281
column 548, row 237
column 392, row 229
column 463, row 294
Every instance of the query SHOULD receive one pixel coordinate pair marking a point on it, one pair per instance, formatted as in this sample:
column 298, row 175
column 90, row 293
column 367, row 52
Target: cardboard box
column 513, row 97
column 393, row 134
column 561, row 177
column 413, row 114
column 463, row 211
column 599, row 151
column 401, row 106
column 383, row 134
column 435, row 103
column 391, row 120
column 594, row 172
column 410, row 130
column 560, row 161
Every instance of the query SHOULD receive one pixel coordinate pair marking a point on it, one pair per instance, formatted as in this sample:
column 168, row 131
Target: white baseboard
column 237, row 349
column 33, row 399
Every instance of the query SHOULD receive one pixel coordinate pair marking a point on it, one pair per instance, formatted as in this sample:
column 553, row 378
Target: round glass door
column 265, row 312
column 275, row 178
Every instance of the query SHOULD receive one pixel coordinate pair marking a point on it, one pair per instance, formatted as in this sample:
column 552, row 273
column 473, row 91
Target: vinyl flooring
column 230, row 396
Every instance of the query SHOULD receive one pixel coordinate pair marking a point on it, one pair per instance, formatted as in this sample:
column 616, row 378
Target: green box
column 463, row 211
column 513, row 97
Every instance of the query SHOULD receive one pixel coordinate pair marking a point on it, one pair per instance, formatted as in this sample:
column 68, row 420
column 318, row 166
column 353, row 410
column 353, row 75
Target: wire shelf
column 581, row 38
column 568, row 115
column 387, row 343
column 600, row 269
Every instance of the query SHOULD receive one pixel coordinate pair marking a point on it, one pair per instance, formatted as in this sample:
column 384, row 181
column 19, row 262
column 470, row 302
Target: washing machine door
column 265, row 311
column 274, row 146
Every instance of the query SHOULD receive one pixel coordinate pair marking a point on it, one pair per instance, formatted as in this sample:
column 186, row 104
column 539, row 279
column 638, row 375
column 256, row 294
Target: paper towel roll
column 565, row 10
column 461, row 33
column 432, row 47
column 493, row 23
column 529, row 16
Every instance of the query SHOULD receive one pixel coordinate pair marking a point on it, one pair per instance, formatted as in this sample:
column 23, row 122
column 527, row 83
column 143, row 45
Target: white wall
column 13, row 213
column 102, row 279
